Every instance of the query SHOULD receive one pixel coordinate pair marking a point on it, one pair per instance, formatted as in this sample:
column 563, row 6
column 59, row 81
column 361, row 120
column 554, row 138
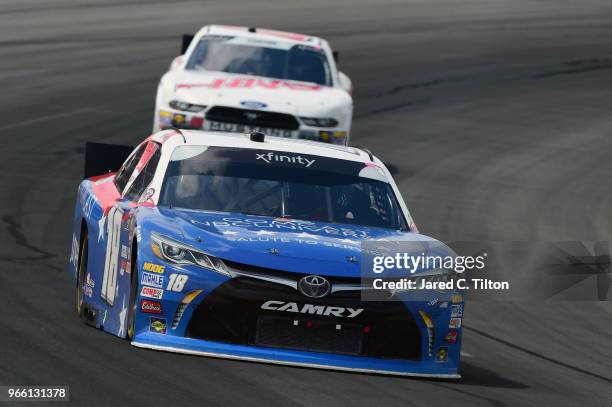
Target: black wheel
column 81, row 275
column 133, row 293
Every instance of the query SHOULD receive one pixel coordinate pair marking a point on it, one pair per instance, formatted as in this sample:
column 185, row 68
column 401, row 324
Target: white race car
column 239, row 79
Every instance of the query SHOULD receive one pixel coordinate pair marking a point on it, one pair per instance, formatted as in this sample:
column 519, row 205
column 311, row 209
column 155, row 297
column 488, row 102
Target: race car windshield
column 280, row 185
column 238, row 56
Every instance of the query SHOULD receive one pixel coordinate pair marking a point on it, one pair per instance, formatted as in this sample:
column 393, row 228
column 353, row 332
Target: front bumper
column 222, row 318
column 198, row 121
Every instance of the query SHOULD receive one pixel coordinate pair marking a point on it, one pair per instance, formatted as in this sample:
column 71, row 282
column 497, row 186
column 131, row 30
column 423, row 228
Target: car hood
column 223, row 89
column 289, row 245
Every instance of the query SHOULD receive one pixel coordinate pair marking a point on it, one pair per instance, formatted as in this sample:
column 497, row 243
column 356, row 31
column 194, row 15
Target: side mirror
column 187, row 38
column 345, row 82
column 336, row 56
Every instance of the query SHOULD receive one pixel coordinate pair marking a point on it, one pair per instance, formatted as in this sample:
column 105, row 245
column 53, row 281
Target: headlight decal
column 186, row 107
column 179, row 253
column 319, row 121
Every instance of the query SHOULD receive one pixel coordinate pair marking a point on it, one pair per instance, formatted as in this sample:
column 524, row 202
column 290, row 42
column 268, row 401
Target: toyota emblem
column 314, row 286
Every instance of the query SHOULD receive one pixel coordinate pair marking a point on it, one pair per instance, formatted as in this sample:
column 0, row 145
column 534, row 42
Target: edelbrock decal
column 151, row 307
column 311, row 309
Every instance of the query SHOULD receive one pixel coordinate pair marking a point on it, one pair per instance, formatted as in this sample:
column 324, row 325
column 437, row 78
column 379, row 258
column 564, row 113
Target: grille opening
column 306, row 334
column 232, row 314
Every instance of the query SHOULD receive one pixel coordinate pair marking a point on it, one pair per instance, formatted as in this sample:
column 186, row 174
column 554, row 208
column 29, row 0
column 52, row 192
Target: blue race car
column 249, row 247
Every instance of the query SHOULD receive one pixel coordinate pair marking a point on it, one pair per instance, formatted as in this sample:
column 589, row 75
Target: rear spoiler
column 103, row 158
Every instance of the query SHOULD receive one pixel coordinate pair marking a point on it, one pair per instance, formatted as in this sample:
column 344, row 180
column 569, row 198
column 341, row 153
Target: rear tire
column 133, row 293
column 81, row 275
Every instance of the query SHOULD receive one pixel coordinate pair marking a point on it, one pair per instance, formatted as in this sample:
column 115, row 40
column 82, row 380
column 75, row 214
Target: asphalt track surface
column 496, row 115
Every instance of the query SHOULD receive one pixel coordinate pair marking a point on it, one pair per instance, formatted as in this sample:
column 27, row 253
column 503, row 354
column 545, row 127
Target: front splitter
column 316, row 360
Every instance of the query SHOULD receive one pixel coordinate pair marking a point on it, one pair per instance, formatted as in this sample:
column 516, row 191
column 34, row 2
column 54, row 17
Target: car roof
column 262, row 33
column 172, row 138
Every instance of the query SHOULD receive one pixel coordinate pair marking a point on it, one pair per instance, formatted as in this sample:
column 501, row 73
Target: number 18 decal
column 176, row 282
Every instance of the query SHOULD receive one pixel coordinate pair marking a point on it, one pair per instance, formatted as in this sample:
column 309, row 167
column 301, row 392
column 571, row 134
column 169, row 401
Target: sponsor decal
column 154, row 280
column 242, row 83
column 179, row 118
column 138, row 234
column 457, row 310
column 329, row 135
column 165, row 117
column 158, row 325
column 312, row 309
column 88, row 291
column 451, row 337
column 442, row 354
column 155, row 268
column 151, row 307
column 456, row 299
column 297, row 238
column 271, row 157
column 125, row 252
column 455, row 323
column 122, row 267
column 253, row 104
column 284, row 225
column 151, row 292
